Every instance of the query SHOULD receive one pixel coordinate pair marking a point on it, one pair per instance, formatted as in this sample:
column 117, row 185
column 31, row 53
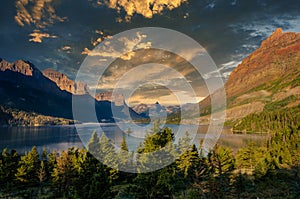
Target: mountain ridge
column 64, row 83
column 24, row 87
column 271, row 71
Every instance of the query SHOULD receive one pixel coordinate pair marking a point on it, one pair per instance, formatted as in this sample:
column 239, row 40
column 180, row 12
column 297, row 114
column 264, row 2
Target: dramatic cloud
column 39, row 13
column 124, row 50
column 163, row 71
column 146, row 8
column 37, row 36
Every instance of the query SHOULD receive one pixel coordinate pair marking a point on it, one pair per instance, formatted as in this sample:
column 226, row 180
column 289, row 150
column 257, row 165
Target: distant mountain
column 156, row 109
column 24, row 87
column 118, row 99
column 267, row 79
column 141, row 108
column 64, row 83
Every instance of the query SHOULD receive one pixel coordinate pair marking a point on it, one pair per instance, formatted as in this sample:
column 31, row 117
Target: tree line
column 267, row 121
column 269, row 171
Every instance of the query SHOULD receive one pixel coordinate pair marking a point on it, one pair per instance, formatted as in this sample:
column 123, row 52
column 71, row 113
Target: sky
column 60, row 34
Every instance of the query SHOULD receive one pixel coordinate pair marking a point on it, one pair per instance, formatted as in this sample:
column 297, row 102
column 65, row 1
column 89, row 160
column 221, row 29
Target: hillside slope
column 267, row 80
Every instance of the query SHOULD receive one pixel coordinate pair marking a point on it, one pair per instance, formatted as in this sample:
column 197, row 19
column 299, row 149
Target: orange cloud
column 39, row 13
column 124, row 50
column 147, row 8
column 37, row 36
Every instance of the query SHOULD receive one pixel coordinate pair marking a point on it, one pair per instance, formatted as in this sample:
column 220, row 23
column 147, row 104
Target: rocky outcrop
column 20, row 66
column 64, row 83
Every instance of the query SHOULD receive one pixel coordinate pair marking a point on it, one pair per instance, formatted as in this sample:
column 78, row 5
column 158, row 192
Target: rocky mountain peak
column 275, row 57
column 20, row 66
column 276, row 34
column 279, row 39
column 64, row 83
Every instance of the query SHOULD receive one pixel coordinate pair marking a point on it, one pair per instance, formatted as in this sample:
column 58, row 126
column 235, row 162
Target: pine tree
column 62, row 172
column 42, row 174
column 221, row 164
column 157, row 149
column 28, row 167
column 94, row 145
column 8, row 166
column 108, row 156
column 124, row 156
column 189, row 161
column 124, row 146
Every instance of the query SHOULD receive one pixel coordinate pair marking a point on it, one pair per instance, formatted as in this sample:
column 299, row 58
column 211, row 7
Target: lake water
column 61, row 138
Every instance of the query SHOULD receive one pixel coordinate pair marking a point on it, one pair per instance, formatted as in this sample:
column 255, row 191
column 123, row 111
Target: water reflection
column 61, row 138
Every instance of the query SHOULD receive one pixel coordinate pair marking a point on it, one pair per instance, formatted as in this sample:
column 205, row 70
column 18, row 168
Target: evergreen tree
column 63, row 172
column 28, row 167
column 94, row 145
column 189, row 161
column 157, row 149
column 124, row 156
column 220, row 164
column 8, row 166
column 124, row 146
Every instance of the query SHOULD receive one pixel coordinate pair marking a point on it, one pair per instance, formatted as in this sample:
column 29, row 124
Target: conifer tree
column 28, row 167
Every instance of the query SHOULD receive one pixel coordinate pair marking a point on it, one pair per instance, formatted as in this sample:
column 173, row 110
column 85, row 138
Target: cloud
column 37, row 36
column 39, row 13
column 101, row 38
column 124, row 48
column 224, row 71
column 146, row 8
column 66, row 48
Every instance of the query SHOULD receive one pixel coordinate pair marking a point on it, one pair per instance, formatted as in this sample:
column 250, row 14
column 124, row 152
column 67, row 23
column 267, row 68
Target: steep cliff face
column 24, row 74
column 64, row 83
column 24, row 87
column 269, row 76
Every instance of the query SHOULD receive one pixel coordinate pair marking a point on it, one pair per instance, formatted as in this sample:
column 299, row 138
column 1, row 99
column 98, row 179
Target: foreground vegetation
column 269, row 171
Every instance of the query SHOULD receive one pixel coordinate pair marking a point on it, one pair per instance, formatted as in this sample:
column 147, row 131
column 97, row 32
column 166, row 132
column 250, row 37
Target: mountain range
column 24, row 87
column 267, row 79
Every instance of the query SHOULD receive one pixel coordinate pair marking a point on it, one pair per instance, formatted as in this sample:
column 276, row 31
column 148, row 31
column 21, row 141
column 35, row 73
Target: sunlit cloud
column 65, row 48
column 38, row 37
column 100, row 37
column 123, row 51
column 39, row 13
column 146, row 8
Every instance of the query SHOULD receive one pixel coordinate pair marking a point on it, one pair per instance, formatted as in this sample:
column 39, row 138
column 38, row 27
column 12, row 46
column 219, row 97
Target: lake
column 61, row 138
